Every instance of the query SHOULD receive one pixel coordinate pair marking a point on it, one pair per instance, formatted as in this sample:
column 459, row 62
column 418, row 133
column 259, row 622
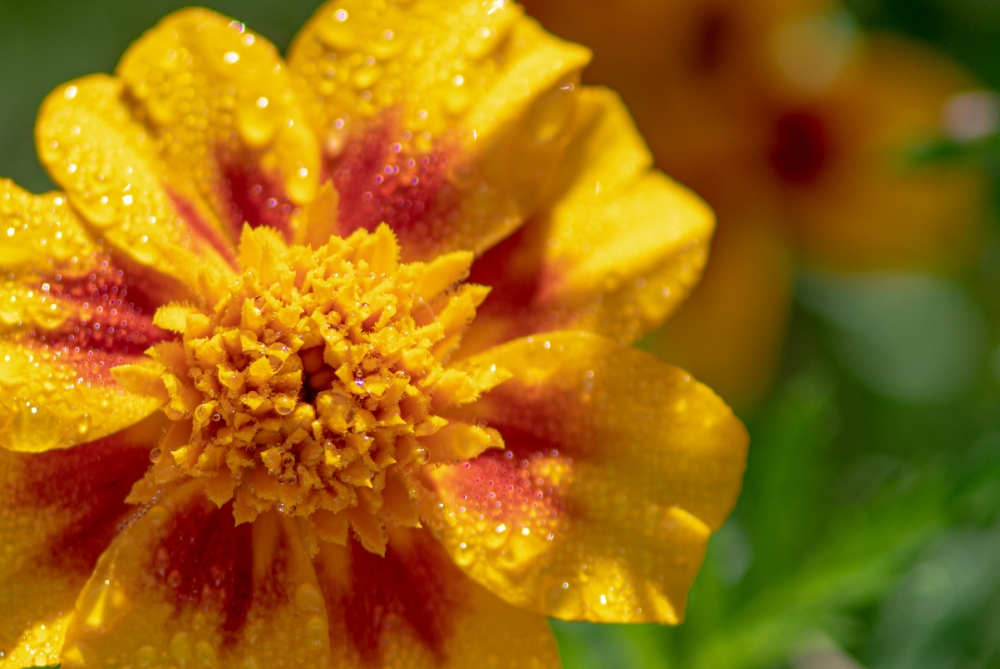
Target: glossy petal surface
column 220, row 105
column 444, row 119
column 552, row 275
column 68, row 314
column 182, row 586
column 58, row 511
column 617, row 468
column 109, row 167
column 415, row 609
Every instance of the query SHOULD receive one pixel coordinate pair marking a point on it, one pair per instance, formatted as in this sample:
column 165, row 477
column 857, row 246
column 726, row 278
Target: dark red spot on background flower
column 712, row 35
column 381, row 178
column 88, row 483
column 205, row 560
column 800, row 148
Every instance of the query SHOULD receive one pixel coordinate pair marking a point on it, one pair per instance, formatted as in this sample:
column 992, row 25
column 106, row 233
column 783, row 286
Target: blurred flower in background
column 794, row 125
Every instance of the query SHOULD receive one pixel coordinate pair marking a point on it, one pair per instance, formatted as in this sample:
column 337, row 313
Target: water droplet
column 456, row 101
column 257, row 123
column 366, row 76
column 551, row 114
column 336, row 34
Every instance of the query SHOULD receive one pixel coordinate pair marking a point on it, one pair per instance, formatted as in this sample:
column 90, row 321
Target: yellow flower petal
column 68, row 315
column 108, row 166
column 53, row 400
column 220, row 106
column 443, row 118
column 45, row 244
column 40, row 645
column 185, row 587
column 414, row 608
column 39, row 233
column 60, row 510
column 459, row 441
column 616, row 469
column 615, row 252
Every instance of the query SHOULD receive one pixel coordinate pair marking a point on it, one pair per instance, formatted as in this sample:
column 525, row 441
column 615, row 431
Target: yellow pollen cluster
column 315, row 386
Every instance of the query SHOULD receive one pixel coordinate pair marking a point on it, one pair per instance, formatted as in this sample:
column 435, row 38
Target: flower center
column 315, row 385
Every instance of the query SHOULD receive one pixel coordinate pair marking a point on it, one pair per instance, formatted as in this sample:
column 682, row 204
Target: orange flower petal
column 870, row 209
column 616, row 470
column 56, row 399
column 220, row 106
column 60, row 510
column 68, row 314
column 414, row 608
column 729, row 333
column 618, row 249
column 108, row 166
column 445, row 119
column 184, row 586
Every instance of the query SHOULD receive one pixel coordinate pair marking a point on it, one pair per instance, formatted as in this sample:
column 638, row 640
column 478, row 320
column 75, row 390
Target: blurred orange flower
column 794, row 127
column 362, row 458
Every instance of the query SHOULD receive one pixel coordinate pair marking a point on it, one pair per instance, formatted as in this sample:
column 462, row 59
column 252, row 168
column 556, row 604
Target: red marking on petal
column 104, row 278
column 271, row 585
column 801, row 147
column 205, row 559
column 380, row 178
column 512, row 484
column 113, row 316
column 417, row 585
column 89, row 482
column 514, row 270
column 90, row 366
column 255, row 196
column 522, row 285
column 203, row 229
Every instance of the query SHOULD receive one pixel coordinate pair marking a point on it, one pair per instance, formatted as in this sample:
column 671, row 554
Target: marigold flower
column 794, row 127
column 325, row 363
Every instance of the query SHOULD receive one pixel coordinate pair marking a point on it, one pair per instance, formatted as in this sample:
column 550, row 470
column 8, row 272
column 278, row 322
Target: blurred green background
column 868, row 532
